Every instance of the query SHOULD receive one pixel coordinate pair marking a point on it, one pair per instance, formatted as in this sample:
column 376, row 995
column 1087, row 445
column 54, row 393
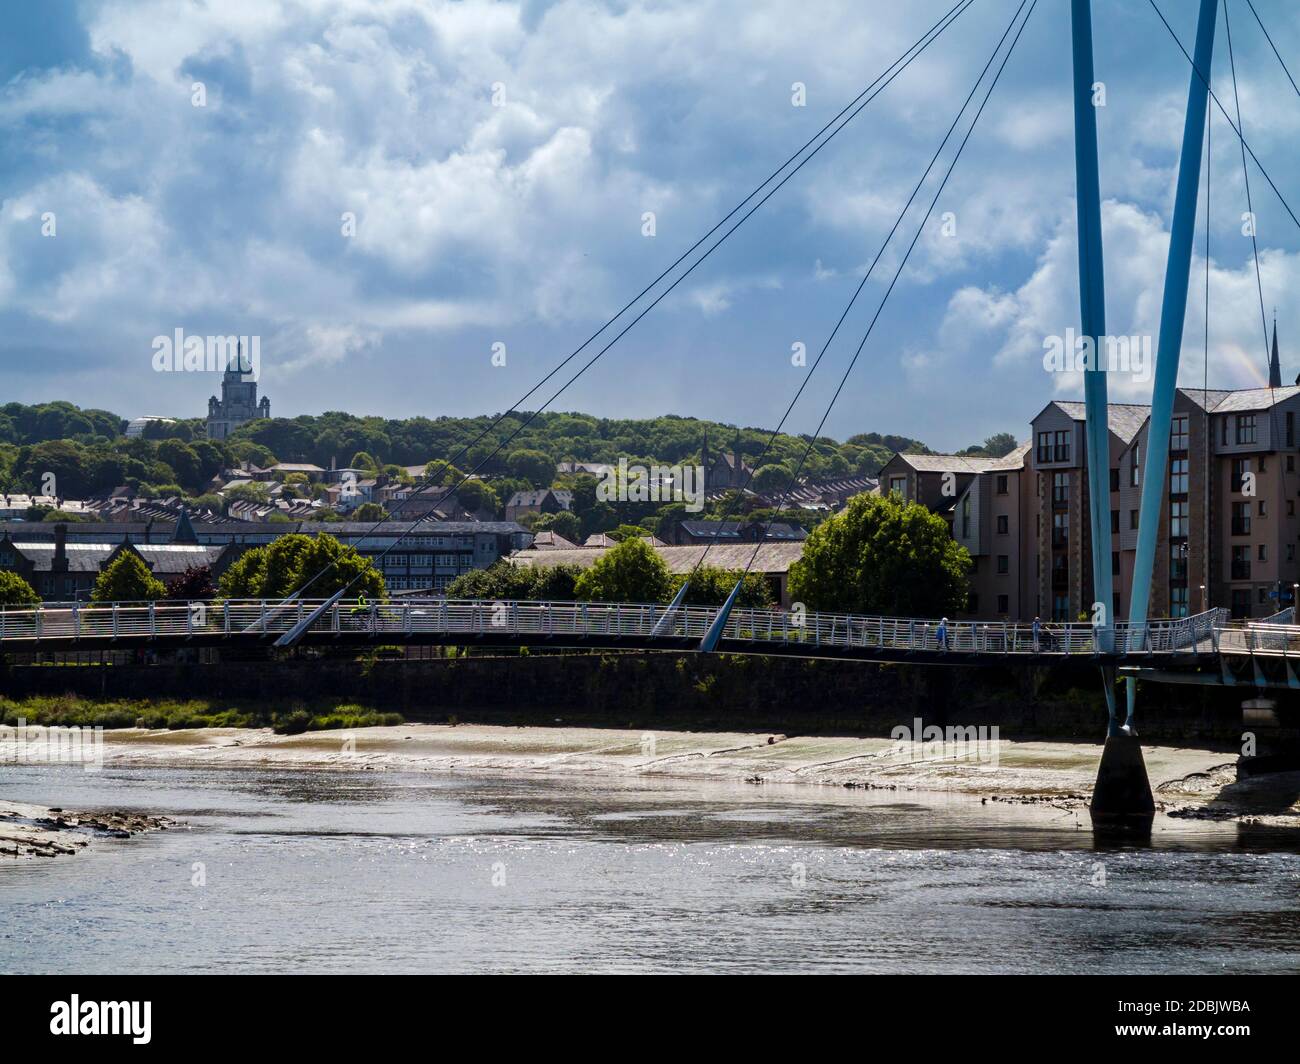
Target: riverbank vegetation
column 174, row 714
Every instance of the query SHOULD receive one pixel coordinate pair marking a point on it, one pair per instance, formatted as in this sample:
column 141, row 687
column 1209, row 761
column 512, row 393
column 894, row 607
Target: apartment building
column 1229, row 530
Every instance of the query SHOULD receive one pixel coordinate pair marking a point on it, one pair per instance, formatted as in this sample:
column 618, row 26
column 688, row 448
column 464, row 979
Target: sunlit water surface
column 385, row 872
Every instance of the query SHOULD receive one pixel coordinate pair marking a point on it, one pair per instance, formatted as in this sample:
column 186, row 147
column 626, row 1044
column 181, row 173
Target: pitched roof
column 1123, row 419
column 771, row 558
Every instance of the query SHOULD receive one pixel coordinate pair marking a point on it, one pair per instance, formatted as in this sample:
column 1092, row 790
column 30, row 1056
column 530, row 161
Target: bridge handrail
column 412, row 616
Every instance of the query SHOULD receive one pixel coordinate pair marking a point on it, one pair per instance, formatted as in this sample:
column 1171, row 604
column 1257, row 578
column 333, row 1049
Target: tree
column 630, row 572
column 285, row 565
column 563, row 524
column 711, row 585
column 127, row 579
column 1000, row 444
column 370, row 511
column 193, row 584
column 536, row 467
column 770, row 479
column 882, row 555
column 15, row 591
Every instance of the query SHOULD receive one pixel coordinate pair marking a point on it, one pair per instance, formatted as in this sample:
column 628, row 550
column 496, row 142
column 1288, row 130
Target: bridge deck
column 631, row 625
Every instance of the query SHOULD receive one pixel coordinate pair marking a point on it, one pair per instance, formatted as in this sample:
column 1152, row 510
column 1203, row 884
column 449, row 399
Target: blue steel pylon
column 1092, row 307
column 1173, row 310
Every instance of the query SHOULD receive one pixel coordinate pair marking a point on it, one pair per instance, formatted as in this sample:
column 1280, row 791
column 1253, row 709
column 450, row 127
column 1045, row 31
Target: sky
column 385, row 192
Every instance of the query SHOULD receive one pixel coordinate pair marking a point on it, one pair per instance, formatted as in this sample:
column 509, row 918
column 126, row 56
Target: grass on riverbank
column 69, row 710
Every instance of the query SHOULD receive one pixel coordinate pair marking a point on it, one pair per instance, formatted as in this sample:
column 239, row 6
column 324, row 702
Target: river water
column 314, row 871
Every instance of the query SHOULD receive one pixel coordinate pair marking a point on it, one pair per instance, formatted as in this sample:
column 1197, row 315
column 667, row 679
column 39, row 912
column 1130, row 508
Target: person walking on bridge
column 941, row 634
column 1037, row 629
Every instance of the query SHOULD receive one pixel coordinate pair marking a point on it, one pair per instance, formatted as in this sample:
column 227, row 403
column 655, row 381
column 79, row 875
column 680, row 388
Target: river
column 329, row 871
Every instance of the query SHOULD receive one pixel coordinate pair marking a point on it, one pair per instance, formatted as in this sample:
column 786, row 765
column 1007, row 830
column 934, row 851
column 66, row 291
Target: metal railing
column 411, row 618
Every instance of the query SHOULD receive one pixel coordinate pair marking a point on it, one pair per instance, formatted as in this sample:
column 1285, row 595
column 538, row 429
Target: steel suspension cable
column 898, row 221
column 880, row 85
column 885, row 298
column 1274, row 47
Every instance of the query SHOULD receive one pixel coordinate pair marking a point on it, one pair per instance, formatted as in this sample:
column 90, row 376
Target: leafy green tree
column 536, row 467
column 15, row 591
column 630, row 572
column 500, row 580
column 711, row 585
column 370, row 511
column 280, row 568
column 770, row 479
column 563, row 524
column 882, row 555
column 127, row 579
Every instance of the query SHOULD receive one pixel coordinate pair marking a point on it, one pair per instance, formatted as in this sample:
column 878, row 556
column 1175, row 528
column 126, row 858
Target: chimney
column 60, row 563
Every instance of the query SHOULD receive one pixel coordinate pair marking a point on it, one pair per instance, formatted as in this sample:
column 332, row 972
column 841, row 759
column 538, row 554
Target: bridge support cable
column 1269, row 38
column 794, row 478
column 1204, row 79
column 1259, row 283
column 898, row 221
column 821, row 139
column 1092, row 310
column 1173, row 311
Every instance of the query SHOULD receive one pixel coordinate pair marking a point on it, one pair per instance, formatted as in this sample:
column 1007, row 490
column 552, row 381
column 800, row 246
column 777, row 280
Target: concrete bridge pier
column 1266, row 745
column 1121, row 800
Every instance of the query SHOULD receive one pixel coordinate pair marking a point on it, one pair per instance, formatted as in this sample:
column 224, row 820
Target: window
column 1004, row 564
column 1241, row 519
column 1001, row 483
column 1061, row 607
column 1003, row 524
column 1178, row 433
column 1262, row 594
column 1240, row 467
column 1290, row 463
column 1263, row 553
column 1132, row 519
column 1263, row 511
column 1178, row 476
column 1114, row 522
column 1061, row 452
column 1044, row 446
column 1134, row 472
column 1004, row 604
column 1114, row 480
column 1177, row 563
column 1178, row 602
column 1241, row 563
column 1114, row 563
column 1223, row 431
column 1290, row 428
column 1060, row 489
column 1245, row 428
column 965, row 518
column 1178, row 518
column 1060, row 530
column 898, row 484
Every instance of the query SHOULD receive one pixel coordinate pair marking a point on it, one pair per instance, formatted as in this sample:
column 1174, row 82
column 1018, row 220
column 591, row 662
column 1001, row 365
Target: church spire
column 1274, row 363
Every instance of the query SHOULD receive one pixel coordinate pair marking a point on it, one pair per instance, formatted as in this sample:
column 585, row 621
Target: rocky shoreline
column 29, row 831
